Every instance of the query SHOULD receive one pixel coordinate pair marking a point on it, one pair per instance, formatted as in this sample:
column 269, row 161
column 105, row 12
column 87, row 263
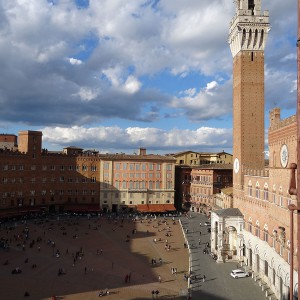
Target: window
column 33, row 167
column 124, row 185
column 105, row 195
column 281, row 250
column 93, row 179
column 106, row 166
column 44, row 168
column 169, row 167
column 257, row 192
column 266, row 235
column 257, row 231
column 143, row 167
column 158, row 167
column 250, row 191
column 280, row 200
column 70, row 168
column 84, row 168
column 5, row 167
column 151, row 167
column 266, row 194
column 250, row 227
column 118, row 166
column 124, row 166
column 4, row 180
column 93, row 168
column 131, row 167
column 137, row 167
column 62, row 167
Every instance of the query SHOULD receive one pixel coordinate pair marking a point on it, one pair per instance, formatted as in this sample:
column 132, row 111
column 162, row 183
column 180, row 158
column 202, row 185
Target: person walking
column 159, row 278
column 203, row 278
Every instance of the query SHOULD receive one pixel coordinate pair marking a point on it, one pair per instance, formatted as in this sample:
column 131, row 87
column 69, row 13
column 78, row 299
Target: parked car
column 238, row 273
column 207, row 223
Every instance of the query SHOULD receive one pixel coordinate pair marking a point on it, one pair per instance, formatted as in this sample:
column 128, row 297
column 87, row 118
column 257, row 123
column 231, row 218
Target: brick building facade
column 34, row 179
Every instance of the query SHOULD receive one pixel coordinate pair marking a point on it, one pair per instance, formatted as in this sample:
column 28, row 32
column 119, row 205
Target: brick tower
column 247, row 38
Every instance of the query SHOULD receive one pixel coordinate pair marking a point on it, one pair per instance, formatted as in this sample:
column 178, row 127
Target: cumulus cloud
column 212, row 101
column 74, row 61
column 105, row 138
column 65, row 64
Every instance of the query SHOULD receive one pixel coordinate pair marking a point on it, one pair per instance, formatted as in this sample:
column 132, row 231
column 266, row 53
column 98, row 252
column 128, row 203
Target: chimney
column 142, row 151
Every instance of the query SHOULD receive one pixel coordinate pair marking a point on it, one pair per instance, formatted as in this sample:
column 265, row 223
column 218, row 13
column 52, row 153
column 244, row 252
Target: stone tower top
column 249, row 27
column 274, row 117
column 254, row 5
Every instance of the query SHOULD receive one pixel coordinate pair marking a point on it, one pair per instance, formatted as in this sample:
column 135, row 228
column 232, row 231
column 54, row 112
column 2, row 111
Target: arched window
column 250, row 188
column 266, row 192
column 257, row 229
column 266, row 234
column 250, row 225
column 257, row 191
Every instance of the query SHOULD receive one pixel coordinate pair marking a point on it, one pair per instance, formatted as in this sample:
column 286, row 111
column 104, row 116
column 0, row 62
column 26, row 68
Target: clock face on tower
column 236, row 165
column 284, row 155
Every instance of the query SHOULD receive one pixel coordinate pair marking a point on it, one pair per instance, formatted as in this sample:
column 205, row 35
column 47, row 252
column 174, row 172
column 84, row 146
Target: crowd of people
column 52, row 238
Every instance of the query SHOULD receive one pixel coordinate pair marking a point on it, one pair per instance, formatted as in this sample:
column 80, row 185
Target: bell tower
column 247, row 39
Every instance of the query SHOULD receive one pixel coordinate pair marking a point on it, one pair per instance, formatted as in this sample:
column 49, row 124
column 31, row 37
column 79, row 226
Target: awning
column 82, row 208
column 19, row 211
column 151, row 208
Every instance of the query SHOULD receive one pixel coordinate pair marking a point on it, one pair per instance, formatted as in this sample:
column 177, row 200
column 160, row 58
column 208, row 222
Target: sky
column 115, row 75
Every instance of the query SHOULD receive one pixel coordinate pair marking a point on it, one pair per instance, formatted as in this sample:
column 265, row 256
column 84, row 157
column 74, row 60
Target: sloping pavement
column 218, row 284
